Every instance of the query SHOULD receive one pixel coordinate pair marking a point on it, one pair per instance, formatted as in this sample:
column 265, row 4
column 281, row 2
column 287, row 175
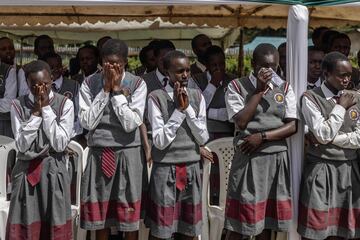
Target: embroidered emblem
column 279, row 98
column 68, row 94
column 354, row 114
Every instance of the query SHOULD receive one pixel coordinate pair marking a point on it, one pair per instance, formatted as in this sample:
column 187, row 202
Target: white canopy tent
column 227, row 14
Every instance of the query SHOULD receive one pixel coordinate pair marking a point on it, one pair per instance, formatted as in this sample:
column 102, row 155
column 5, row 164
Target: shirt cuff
column 34, row 122
column 210, row 88
column 339, row 110
column 189, row 111
column 178, row 116
column 213, row 113
column 119, row 100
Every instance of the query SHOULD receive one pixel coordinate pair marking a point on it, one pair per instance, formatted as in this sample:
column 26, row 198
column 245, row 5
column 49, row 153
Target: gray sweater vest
column 330, row 151
column 269, row 114
column 152, row 81
column 4, row 73
column 40, row 147
column 69, row 88
column 218, row 101
column 110, row 132
column 184, row 148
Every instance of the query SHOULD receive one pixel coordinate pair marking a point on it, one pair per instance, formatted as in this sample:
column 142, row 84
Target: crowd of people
column 163, row 115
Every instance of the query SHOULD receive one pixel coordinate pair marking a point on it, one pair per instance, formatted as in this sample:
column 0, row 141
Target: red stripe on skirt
column 165, row 216
column 100, row 211
column 320, row 220
column 39, row 230
column 254, row 213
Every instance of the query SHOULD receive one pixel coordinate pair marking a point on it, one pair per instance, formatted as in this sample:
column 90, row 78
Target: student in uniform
column 213, row 84
column 263, row 107
column 199, row 45
column 178, row 119
column 42, row 122
column 315, row 57
column 43, row 45
column 330, row 195
column 8, row 92
column 111, row 107
column 147, row 59
column 342, row 43
column 317, row 35
column 282, row 60
column 88, row 57
column 64, row 86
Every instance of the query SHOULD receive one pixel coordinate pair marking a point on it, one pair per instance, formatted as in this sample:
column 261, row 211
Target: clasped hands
column 113, row 74
column 41, row 98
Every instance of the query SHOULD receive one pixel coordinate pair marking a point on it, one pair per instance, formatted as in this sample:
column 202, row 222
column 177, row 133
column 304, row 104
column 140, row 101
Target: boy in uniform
column 178, row 119
column 111, row 107
column 42, row 122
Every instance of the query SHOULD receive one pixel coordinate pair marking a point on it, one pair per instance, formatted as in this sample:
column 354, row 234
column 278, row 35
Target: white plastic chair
column 78, row 233
column 224, row 149
column 7, row 145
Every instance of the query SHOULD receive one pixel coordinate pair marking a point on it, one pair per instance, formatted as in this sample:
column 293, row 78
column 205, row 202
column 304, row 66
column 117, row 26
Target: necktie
column 34, row 171
column 54, row 88
column 181, row 176
column 165, row 80
column 310, row 86
column 108, row 162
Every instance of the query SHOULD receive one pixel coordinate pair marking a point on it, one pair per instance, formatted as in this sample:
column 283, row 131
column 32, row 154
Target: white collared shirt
column 326, row 130
column 316, row 84
column 10, row 91
column 219, row 114
column 163, row 134
column 26, row 130
column 129, row 113
column 58, row 83
column 161, row 77
column 235, row 102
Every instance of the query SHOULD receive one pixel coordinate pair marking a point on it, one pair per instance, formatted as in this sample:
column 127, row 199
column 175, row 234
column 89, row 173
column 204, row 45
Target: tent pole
column 241, row 53
column 21, row 50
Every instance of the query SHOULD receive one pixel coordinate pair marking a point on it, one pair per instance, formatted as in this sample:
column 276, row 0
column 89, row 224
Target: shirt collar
column 327, row 92
column 160, row 76
column 208, row 76
column 58, row 82
column 200, row 65
column 316, row 84
column 32, row 98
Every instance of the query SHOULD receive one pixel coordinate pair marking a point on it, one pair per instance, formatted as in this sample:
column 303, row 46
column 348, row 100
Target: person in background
column 8, row 89
column 263, row 107
column 315, row 57
column 147, row 59
column 326, row 40
column 282, row 61
column 42, row 122
column 64, row 86
column 317, row 36
column 43, row 45
column 199, row 45
column 329, row 193
column 88, row 57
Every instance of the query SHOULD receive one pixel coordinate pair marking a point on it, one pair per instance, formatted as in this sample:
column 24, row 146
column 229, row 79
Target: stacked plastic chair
column 7, row 152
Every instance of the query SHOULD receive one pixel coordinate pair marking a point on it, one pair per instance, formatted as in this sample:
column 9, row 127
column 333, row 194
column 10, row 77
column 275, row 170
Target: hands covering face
column 180, row 97
column 112, row 74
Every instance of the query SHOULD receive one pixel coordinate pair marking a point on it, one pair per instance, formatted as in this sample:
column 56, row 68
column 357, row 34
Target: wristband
column 263, row 136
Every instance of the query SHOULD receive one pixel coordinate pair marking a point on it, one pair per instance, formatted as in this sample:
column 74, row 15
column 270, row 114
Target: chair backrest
column 7, row 146
column 224, row 149
column 84, row 159
column 77, row 148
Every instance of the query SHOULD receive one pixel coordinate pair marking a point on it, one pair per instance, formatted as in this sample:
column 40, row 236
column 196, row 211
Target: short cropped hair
column 170, row 56
column 330, row 60
column 114, row 47
column 213, row 50
column 36, row 66
column 162, row 44
column 264, row 49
